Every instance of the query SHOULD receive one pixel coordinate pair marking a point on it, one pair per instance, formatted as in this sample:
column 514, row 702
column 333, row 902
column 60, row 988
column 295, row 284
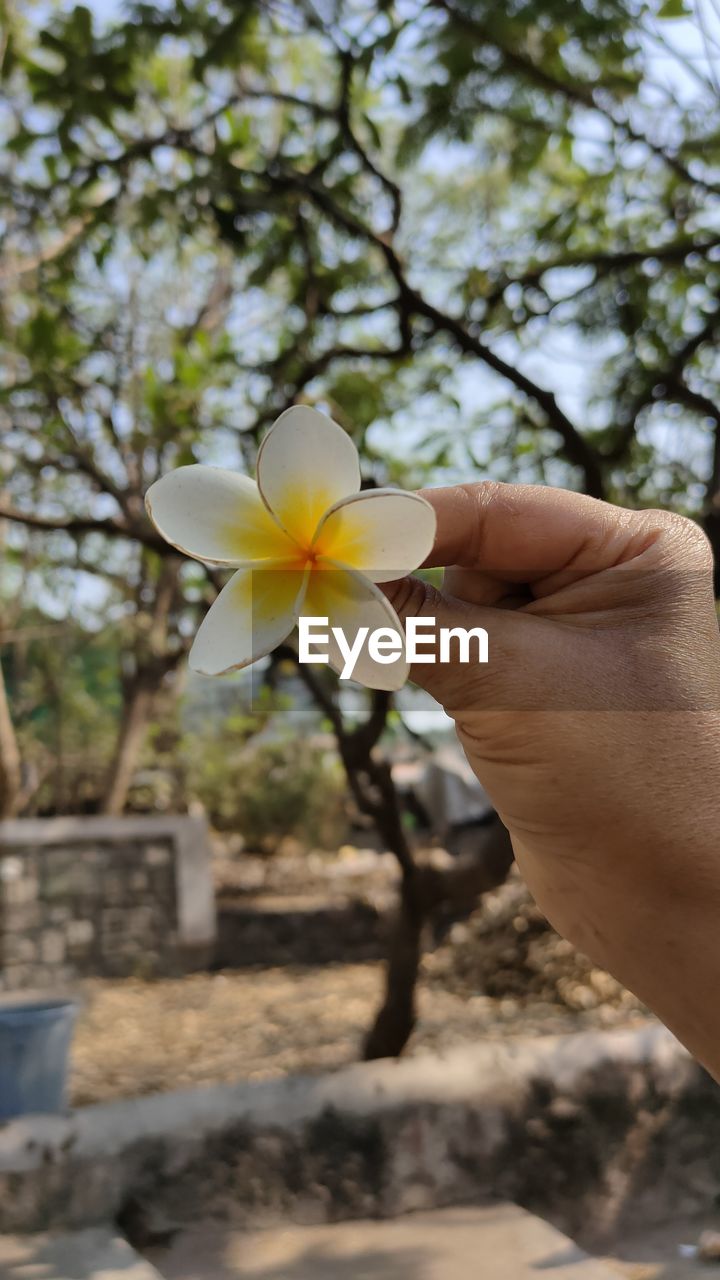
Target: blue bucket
column 34, row 1047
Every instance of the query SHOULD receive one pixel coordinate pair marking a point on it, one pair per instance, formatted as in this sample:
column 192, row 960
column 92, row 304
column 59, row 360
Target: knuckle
column 410, row 596
column 478, row 496
column 684, row 535
column 480, row 490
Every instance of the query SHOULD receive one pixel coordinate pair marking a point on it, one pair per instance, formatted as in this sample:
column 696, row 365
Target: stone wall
column 112, row 897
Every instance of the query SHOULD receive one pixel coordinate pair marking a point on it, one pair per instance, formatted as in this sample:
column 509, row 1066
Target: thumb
column 460, row 648
column 478, row 658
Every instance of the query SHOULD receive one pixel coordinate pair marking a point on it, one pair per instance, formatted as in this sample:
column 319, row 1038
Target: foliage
column 267, row 790
column 388, row 194
column 64, row 694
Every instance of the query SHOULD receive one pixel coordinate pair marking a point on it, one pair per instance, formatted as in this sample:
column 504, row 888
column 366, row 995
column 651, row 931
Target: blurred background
column 484, row 238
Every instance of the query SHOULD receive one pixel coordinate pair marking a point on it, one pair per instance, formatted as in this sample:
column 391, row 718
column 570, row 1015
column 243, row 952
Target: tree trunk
column 427, row 890
column 137, row 709
column 11, row 790
column 423, row 889
column 395, row 1020
column 711, row 524
column 711, row 521
column 152, row 663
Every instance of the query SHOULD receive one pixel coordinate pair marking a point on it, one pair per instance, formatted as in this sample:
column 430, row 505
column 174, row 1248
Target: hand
column 595, row 725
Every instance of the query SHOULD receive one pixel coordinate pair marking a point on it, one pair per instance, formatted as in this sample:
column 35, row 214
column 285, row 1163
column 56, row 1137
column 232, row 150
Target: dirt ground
column 503, row 972
column 138, row 1037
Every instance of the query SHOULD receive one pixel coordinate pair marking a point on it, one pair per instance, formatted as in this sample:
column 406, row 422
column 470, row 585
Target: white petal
column 254, row 613
column 384, row 533
column 305, row 464
column 215, row 515
column 350, row 601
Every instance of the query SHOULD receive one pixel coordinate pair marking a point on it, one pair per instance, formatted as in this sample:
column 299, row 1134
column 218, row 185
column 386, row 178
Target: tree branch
column 578, row 93
column 606, row 261
column 411, row 302
column 672, row 378
column 80, row 525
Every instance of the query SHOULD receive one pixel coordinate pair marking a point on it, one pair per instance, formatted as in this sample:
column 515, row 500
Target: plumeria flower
column 303, row 540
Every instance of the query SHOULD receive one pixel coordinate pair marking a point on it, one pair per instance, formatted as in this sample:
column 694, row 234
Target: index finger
column 524, row 532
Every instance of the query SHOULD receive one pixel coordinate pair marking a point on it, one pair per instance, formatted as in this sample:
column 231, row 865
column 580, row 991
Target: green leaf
column 674, row 9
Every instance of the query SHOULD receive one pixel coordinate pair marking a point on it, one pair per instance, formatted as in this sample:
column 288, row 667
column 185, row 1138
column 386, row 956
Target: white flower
column 303, row 540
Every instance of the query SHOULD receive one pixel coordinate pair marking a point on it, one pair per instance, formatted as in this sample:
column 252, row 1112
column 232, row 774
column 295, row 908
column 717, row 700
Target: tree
column 553, row 116
column 396, row 205
column 156, row 649
column 12, row 794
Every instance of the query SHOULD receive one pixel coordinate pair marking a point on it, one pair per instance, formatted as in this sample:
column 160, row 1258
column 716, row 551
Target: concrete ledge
column 43, row 831
column 567, row 1124
column 95, row 1254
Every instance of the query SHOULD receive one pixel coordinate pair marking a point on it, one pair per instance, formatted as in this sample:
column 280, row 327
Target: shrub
column 269, row 790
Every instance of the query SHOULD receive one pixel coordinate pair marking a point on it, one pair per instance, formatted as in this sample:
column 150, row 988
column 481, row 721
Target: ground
column 426, row 1246
column 430, row 1246
column 138, row 1037
column 504, row 972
